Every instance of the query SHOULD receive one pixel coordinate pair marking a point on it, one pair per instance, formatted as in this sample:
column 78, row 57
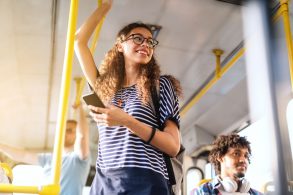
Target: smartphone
column 93, row 99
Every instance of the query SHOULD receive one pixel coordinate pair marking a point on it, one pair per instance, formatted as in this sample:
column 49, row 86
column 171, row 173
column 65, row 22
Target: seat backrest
column 7, row 170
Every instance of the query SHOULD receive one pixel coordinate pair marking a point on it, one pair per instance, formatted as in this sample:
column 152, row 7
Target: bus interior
column 233, row 58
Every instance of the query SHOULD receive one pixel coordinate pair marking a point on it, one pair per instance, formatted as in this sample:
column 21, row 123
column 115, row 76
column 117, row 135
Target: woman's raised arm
column 82, row 37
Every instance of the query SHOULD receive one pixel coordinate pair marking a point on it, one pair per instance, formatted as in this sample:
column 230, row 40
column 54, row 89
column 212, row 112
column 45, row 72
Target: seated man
column 230, row 157
column 75, row 159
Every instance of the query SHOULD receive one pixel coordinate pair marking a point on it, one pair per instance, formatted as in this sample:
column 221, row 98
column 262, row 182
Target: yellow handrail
column 42, row 190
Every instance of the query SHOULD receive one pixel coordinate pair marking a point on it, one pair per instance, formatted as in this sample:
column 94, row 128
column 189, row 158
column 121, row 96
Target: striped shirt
column 119, row 148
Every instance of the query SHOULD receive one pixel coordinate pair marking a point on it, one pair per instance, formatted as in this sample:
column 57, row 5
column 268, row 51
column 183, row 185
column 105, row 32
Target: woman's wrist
column 152, row 135
column 106, row 6
column 128, row 121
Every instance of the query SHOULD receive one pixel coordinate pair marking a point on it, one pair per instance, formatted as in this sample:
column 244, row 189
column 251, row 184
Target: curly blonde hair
column 112, row 71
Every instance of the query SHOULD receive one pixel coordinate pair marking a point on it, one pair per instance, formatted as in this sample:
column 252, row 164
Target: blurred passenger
column 75, row 160
column 230, row 156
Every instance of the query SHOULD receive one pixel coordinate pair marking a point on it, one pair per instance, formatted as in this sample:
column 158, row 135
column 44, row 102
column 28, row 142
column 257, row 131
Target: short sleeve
column 169, row 104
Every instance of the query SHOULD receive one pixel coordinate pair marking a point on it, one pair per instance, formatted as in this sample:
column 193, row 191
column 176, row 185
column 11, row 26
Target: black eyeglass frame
column 132, row 36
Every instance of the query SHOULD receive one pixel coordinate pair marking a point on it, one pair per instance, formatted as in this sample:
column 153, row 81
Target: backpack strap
column 155, row 101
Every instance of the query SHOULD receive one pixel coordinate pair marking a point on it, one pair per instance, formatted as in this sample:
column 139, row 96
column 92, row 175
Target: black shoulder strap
column 156, row 104
column 155, row 101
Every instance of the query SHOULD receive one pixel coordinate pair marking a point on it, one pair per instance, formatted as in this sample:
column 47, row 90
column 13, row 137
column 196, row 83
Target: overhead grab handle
column 218, row 53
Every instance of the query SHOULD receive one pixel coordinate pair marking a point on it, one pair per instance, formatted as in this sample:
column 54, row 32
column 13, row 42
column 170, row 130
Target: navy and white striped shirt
column 119, row 148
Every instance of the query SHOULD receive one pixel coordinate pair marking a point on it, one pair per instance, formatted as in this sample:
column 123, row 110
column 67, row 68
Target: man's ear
column 119, row 47
column 220, row 159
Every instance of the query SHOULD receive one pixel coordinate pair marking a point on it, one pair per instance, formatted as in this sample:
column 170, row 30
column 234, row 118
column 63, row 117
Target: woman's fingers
column 109, row 116
column 100, row 119
column 98, row 109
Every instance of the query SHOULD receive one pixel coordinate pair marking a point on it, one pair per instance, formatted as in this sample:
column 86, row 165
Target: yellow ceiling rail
column 205, row 89
column 282, row 11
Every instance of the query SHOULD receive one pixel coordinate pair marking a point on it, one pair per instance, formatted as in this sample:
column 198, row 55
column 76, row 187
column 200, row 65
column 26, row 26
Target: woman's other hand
column 110, row 116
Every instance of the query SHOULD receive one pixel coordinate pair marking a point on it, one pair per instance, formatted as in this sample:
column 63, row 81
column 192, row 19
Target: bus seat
column 7, row 170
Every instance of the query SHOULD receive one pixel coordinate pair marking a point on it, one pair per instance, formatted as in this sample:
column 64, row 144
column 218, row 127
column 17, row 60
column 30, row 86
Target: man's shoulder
column 204, row 189
column 207, row 187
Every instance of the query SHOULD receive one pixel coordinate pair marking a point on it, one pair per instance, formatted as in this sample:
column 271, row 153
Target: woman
column 130, row 158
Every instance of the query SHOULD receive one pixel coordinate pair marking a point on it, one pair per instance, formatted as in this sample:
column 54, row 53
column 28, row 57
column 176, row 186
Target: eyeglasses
column 139, row 39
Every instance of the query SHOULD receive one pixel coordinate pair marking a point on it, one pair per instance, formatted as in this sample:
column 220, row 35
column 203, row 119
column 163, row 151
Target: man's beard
column 239, row 175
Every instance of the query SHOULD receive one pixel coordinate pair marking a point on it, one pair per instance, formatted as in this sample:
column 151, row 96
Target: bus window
column 261, row 154
column 27, row 175
column 193, row 176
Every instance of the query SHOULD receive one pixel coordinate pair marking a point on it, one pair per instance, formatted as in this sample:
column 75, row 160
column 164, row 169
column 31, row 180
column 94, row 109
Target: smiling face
column 234, row 162
column 133, row 52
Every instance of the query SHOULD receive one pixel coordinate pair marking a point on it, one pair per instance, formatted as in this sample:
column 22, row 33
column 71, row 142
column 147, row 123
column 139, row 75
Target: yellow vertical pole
column 64, row 93
column 286, row 19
